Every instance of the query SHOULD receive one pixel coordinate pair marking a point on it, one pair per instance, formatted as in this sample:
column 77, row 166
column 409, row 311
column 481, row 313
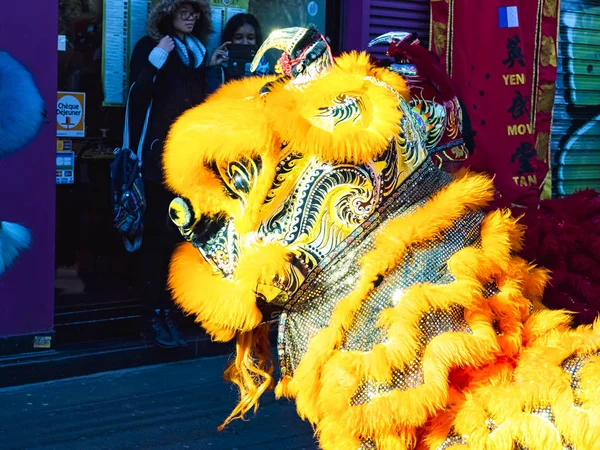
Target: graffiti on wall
column 576, row 130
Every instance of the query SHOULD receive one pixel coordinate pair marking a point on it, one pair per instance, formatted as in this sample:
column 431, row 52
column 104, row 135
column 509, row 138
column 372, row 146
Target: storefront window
column 274, row 14
column 95, row 41
column 91, row 265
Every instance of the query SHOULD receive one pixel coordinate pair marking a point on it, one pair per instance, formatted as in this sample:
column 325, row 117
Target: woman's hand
column 167, row 44
column 219, row 55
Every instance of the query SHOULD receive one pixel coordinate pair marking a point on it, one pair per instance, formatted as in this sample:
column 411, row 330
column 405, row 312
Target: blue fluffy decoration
column 23, row 114
column 14, row 239
column 22, row 106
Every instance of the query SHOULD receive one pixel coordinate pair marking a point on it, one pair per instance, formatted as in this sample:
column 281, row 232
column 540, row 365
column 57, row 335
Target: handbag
column 127, row 186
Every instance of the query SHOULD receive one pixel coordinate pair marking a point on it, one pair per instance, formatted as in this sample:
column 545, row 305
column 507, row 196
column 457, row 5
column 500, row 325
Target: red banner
column 501, row 55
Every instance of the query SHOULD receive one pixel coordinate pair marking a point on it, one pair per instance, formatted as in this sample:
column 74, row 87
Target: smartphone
column 240, row 60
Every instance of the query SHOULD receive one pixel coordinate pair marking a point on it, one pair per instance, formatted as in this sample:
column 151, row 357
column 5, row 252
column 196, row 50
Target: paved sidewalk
column 169, row 406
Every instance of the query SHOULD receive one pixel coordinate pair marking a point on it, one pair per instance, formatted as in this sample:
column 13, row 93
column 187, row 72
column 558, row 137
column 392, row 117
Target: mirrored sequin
column 573, row 366
column 367, row 444
column 452, row 439
column 335, row 277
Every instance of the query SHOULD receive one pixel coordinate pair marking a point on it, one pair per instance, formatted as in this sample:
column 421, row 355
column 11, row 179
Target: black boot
column 175, row 333
column 156, row 331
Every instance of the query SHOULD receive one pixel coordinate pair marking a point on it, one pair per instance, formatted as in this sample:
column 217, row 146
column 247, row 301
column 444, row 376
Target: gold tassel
column 251, row 371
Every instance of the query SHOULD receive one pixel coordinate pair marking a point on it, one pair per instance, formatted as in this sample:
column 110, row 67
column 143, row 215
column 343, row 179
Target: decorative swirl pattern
column 320, row 184
column 314, row 205
column 391, row 171
column 221, row 250
column 455, row 119
column 328, row 202
column 345, row 108
column 412, row 138
column 355, row 205
column 435, row 117
column 329, row 237
column 283, row 171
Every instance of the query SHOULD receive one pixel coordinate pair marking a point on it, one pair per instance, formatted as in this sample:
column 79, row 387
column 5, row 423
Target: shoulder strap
column 132, row 246
column 126, row 125
column 144, row 129
column 143, row 135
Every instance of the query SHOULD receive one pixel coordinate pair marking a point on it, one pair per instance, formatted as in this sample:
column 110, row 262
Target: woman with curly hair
column 168, row 71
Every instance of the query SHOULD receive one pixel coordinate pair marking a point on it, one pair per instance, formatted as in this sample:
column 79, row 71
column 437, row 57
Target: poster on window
column 70, row 114
column 221, row 12
column 124, row 23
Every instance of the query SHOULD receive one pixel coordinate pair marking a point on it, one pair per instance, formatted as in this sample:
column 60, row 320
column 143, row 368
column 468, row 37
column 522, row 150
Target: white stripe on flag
column 512, row 16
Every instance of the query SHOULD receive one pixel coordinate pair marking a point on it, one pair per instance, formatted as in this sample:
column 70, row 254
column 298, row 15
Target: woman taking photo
column 241, row 29
column 168, row 71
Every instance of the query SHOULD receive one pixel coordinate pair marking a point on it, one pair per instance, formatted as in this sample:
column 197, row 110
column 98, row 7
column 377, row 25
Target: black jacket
column 173, row 89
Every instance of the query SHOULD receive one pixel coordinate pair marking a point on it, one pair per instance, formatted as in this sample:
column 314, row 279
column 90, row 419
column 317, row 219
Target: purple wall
column 356, row 25
column 28, row 31
column 365, row 19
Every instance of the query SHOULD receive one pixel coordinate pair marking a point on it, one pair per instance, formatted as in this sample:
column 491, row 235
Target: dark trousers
column 158, row 242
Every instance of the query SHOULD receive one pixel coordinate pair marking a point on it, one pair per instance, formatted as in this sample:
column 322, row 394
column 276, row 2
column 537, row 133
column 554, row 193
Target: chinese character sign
column 502, row 60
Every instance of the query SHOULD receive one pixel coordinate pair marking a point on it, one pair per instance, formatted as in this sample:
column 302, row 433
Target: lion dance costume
column 406, row 321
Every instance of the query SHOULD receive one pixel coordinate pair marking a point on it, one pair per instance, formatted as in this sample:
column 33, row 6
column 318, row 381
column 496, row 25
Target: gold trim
column 440, row 39
column 536, row 67
column 546, row 94
column 550, row 8
column 449, row 39
column 547, row 186
column 430, row 27
column 542, row 142
column 548, row 52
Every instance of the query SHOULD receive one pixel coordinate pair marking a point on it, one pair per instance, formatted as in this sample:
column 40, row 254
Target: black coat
column 175, row 89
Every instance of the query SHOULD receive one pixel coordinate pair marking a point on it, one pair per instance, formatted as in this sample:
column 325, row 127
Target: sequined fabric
column 452, row 439
column 432, row 324
column 543, row 412
column 425, row 264
column 334, row 278
column 573, row 366
column 546, row 413
column 367, row 444
column 411, row 377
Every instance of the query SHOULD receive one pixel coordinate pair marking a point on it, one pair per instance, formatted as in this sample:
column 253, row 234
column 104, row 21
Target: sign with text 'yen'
column 70, row 114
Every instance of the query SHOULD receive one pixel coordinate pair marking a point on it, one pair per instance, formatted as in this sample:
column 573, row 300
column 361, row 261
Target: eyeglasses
column 186, row 15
